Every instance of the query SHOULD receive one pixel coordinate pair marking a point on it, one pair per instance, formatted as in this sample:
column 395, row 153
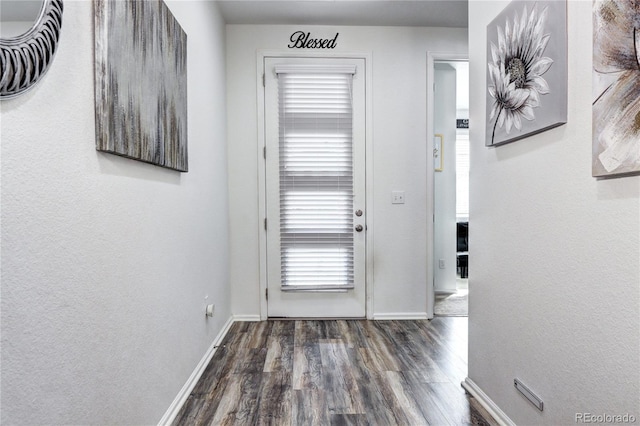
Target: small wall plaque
column 302, row 40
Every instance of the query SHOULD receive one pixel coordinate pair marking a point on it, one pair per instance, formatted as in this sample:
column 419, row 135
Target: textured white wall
column 106, row 261
column 399, row 60
column 444, row 226
column 555, row 256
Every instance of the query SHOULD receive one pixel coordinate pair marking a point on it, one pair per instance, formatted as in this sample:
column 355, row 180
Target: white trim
column 431, row 58
column 368, row 94
column 181, row 398
column 262, row 178
column 400, row 316
column 246, row 318
column 315, row 69
column 486, row 402
column 261, row 54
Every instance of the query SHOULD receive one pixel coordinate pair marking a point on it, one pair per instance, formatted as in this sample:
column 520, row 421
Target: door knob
column 358, row 213
column 359, row 228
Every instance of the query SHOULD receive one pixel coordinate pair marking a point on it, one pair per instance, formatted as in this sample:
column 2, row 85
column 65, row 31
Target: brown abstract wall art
column 616, row 87
column 141, row 82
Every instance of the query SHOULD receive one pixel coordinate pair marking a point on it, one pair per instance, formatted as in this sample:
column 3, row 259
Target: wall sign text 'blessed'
column 302, row 40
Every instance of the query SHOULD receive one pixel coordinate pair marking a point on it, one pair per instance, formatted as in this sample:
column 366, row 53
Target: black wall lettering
column 302, row 40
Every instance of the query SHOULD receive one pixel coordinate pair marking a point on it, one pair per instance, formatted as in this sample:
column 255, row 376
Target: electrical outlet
column 441, row 264
column 397, row 197
column 210, row 310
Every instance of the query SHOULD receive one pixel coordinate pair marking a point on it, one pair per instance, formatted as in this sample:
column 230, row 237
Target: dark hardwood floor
column 337, row 372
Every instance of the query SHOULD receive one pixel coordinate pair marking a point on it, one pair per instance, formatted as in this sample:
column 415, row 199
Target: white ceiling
column 423, row 13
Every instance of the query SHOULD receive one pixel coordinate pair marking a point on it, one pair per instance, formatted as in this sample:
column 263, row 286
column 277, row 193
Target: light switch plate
column 397, row 197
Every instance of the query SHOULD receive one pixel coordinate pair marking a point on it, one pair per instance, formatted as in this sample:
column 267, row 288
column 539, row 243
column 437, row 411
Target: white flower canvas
column 526, row 70
column 616, row 88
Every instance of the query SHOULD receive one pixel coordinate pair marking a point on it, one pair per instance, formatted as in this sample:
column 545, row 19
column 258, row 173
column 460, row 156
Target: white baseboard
column 445, row 292
column 184, row 393
column 400, row 316
column 486, row 402
column 247, row 318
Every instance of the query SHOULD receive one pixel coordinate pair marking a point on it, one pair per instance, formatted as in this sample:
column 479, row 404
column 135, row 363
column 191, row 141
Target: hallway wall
column 106, row 261
column 554, row 289
column 399, row 97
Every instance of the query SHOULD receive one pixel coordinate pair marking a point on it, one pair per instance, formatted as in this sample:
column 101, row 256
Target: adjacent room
column 247, row 212
column 451, row 188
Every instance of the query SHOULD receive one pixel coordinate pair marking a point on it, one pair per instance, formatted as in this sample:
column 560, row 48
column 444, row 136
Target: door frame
column 262, row 183
column 432, row 57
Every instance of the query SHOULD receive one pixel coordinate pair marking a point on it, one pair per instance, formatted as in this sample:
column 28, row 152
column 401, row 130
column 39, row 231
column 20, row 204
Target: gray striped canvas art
column 141, row 82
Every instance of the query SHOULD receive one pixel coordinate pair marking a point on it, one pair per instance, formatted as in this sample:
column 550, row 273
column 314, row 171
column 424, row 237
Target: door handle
column 359, row 228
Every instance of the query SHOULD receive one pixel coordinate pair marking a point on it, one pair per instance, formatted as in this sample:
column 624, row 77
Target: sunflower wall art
column 616, row 87
column 527, row 70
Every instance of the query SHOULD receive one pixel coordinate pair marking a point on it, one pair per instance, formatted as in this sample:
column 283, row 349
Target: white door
column 315, row 178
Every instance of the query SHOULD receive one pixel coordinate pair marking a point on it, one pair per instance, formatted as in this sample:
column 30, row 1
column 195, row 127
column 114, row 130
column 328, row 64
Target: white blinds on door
column 316, row 177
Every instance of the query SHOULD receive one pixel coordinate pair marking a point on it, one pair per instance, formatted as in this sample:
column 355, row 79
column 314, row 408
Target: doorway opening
column 451, row 188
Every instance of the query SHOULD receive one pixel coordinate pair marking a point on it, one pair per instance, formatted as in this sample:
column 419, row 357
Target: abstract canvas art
column 141, row 82
column 526, row 70
column 616, row 87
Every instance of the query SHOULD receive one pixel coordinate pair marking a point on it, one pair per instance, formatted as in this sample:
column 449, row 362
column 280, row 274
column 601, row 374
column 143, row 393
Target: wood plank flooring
column 337, row 372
